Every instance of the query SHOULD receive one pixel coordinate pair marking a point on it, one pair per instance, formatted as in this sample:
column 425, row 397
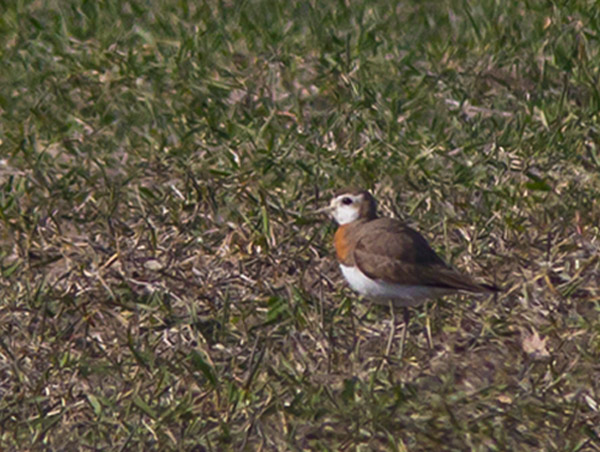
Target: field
column 166, row 285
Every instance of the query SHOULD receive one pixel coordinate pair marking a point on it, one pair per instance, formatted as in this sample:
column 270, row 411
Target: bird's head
column 349, row 205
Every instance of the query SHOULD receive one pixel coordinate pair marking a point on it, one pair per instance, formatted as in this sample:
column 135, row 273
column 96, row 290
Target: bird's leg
column 428, row 326
column 404, row 331
column 388, row 348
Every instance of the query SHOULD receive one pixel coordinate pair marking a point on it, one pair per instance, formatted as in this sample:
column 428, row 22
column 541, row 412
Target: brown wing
column 395, row 253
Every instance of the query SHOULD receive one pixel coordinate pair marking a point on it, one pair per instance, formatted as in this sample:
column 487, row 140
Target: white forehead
column 345, row 208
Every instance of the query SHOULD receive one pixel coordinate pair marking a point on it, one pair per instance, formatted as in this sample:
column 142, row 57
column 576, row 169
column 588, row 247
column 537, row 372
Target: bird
column 388, row 262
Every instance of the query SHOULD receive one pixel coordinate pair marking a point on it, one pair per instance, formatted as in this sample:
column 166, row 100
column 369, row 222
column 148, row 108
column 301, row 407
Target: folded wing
column 397, row 254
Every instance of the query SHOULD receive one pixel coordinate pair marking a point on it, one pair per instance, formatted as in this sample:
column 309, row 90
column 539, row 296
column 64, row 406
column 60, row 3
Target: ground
column 166, row 284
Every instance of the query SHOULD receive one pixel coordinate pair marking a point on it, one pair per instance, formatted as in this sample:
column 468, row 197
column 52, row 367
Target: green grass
column 164, row 285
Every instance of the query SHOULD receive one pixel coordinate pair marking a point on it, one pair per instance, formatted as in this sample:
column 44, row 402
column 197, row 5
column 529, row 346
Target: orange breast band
column 341, row 243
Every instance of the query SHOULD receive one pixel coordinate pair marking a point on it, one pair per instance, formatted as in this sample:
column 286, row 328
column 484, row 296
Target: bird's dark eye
column 347, row 201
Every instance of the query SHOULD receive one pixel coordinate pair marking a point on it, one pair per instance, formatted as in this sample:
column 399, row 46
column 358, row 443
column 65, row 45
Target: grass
column 164, row 283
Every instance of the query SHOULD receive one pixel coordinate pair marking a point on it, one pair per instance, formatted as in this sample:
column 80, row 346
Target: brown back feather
column 391, row 251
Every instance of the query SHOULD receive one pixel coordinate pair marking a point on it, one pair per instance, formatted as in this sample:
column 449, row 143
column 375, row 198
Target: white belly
column 381, row 291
